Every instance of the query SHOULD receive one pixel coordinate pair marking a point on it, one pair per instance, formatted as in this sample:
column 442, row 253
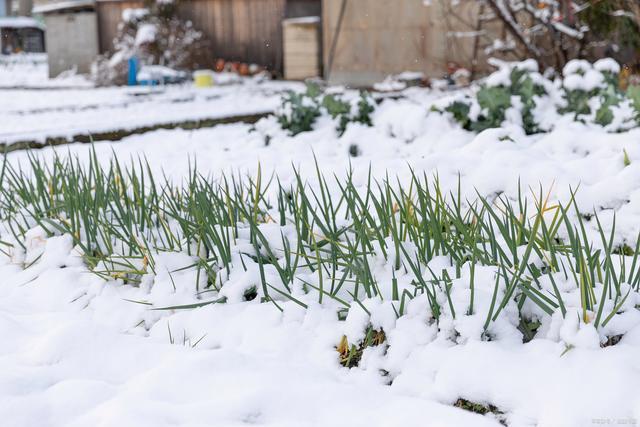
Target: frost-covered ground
column 77, row 351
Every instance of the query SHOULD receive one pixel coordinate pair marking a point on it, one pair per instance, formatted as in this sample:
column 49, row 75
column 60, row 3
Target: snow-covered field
column 77, row 351
column 69, row 105
column 36, row 115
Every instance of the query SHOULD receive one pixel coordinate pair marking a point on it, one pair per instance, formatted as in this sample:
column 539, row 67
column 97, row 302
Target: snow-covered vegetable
column 299, row 111
column 517, row 94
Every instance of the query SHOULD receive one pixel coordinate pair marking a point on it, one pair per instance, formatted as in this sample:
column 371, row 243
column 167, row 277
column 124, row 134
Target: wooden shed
column 237, row 30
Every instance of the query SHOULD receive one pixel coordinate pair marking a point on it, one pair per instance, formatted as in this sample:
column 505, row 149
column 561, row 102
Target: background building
column 71, row 36
column 355, row 42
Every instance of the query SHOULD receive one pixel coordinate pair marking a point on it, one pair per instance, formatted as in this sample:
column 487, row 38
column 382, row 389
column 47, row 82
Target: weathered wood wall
column 239, row 30
column 378, row 38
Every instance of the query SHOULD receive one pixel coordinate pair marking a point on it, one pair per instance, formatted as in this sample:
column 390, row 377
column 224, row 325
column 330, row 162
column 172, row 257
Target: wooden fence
column 238, row 30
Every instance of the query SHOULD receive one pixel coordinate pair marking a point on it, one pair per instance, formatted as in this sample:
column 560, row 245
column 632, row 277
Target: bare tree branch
column 508, row 19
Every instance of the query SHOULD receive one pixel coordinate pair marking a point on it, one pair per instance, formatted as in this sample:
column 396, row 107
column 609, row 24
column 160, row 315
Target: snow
column 158, row 72
column 146, row 34
column 591, row 80
column 576, row 66
column 303, row 20
column 35, row 115
column 398, row 81
column 390, row 84
column 76, row 351
column 68, row 366
column 569, row 31
column 129, row 14
column 19, row 22
column 71, row 356
column 31, row 70
column 607, row 65
column 64, row 5
column 502, row 77
column 405, row 133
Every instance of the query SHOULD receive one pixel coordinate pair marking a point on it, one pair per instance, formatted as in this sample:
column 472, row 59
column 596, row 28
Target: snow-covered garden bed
column 382, row 266
column 35, row 115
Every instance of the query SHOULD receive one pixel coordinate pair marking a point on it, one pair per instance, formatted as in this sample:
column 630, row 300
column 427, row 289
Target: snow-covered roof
column 19, row 22
column 64, row 5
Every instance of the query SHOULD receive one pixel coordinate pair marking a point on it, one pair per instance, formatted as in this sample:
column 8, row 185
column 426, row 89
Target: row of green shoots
column 336, row 243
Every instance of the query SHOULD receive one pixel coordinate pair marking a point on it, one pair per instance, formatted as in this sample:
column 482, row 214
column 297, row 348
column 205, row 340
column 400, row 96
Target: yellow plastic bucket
column 203, row 78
